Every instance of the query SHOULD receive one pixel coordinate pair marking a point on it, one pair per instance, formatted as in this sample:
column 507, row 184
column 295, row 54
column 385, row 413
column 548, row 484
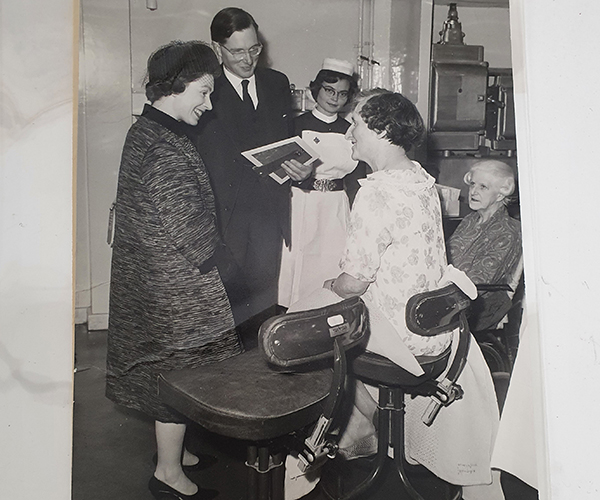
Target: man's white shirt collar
column 236, row 82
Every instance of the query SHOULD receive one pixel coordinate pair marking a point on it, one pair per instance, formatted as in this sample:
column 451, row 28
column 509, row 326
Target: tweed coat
column 168, row 306
column 253, row 213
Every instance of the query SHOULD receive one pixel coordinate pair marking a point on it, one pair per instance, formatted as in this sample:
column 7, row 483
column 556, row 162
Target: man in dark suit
column 251, row 108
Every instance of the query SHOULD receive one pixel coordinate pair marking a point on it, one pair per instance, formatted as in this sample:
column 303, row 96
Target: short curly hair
column 390, row 112
column 174, row 65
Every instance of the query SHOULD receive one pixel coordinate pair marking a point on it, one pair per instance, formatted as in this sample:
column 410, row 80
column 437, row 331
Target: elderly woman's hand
column 296, row 170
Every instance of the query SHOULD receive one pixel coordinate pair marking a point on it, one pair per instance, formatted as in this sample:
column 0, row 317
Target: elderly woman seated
column 394, row 250
column 487, row 243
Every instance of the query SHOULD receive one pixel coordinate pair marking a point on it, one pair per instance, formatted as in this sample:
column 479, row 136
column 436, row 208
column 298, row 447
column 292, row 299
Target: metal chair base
column 266, row 473
column 390, row 433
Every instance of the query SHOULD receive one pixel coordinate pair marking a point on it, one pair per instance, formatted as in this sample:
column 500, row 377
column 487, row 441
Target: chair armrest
column 437, row 311
column 487, row 287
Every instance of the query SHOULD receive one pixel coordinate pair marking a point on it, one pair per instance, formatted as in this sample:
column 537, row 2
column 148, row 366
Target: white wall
column 104, row 118
column 36, row 248
column 558, row 126
column 410, row 23
column 298, row 33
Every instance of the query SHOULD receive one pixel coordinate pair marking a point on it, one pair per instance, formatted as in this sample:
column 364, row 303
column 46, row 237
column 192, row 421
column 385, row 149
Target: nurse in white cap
column 321, row 204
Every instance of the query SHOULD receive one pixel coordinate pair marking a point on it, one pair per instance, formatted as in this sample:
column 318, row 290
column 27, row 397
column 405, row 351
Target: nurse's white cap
column 344, row 67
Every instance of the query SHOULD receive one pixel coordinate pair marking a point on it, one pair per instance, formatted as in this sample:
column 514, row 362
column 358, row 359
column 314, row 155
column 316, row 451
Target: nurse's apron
column 319, row 220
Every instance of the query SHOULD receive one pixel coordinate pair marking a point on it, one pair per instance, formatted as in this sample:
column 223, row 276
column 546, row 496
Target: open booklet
column 267, row 159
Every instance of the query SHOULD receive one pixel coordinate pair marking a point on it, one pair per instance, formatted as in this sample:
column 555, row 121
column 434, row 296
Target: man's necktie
column 248, row 105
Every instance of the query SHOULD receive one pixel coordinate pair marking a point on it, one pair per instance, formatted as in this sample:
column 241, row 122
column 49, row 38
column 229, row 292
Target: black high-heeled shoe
column 162, row 491
column 204, row 462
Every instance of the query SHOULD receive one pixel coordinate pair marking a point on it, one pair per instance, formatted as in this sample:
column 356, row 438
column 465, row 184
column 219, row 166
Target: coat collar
column 156, row 115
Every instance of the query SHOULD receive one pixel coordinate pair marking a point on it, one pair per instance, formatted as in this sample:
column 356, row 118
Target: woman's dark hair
column 329, row 76
column 173, row 66
column 394, row 114
column 228, row 21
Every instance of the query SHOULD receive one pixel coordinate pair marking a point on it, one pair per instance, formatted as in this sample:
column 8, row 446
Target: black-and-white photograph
column 304, row 252
column 406, row 104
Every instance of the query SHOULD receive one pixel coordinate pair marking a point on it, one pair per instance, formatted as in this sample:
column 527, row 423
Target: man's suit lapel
column 227, row 104
column 261, row 91
column 268, row 111
column 227, row 170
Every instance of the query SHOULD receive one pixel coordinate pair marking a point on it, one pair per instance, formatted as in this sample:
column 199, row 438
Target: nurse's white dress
column 319, row 218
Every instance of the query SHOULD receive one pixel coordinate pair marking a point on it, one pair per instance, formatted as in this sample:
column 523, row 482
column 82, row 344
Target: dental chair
column 427, row 314
column 246, row 398
column 284, row 397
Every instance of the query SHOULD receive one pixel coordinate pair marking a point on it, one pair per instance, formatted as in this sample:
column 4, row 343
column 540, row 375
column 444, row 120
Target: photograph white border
column 558, row 128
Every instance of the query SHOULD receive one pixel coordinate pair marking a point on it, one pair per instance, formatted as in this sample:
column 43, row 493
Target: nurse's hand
column 296, row 170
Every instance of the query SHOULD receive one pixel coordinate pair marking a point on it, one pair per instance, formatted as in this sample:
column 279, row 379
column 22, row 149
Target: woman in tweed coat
column 168, row 306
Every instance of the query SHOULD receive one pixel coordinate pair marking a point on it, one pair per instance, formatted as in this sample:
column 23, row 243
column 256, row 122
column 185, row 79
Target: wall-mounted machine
column 471, row 108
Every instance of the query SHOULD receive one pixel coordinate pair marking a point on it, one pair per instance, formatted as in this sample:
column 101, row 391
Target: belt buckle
column 323, row 185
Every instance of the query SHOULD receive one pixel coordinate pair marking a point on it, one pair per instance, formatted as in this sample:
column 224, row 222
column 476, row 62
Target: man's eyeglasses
column 239, row 54
column 331, row 92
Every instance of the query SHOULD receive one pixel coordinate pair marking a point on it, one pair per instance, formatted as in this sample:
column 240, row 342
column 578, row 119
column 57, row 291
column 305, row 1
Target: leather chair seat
column 379, row 370
column 243, row 398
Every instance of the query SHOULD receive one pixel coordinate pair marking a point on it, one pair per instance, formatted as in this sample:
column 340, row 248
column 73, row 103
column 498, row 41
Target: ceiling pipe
column 371, row 42
column 360, row 61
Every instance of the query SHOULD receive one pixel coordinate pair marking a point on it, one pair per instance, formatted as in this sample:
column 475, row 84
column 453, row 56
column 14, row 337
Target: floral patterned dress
column 395, row 241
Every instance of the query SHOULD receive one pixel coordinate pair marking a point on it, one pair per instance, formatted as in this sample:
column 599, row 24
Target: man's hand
column 296, row 170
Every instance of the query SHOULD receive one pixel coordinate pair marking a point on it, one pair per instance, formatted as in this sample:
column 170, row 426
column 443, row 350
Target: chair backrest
column 303, row 337
column 437, row 311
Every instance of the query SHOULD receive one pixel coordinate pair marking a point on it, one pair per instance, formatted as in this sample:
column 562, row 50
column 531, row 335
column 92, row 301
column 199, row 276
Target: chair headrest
column 437, row 311
column 302, row 337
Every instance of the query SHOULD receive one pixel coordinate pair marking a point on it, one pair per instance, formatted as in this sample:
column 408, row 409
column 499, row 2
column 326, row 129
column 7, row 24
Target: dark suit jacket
column 253, row 213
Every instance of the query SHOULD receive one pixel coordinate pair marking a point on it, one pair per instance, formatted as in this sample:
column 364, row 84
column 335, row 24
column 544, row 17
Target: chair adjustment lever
column 317, row 448
column 446, row 393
